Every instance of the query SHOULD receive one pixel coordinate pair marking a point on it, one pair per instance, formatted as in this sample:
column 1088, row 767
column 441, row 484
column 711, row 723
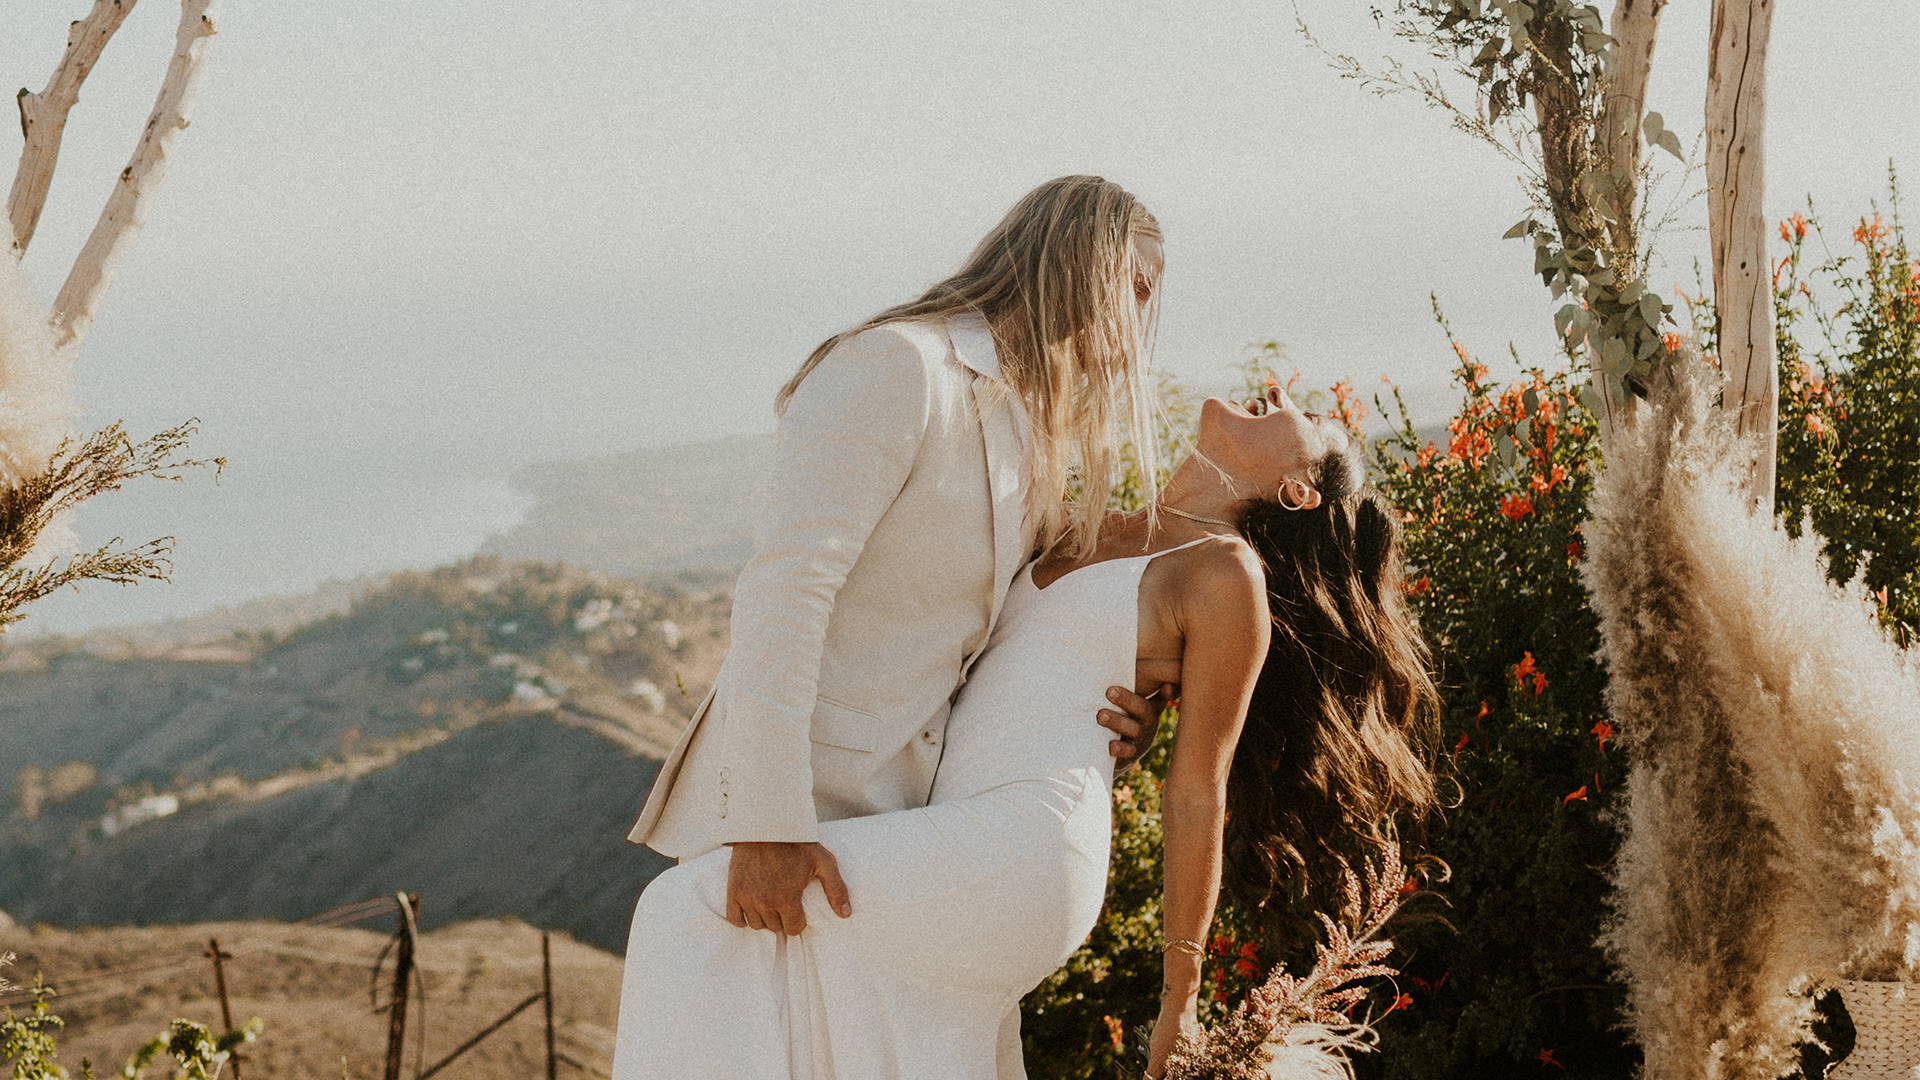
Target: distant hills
column 482, row 733
column 643, row 512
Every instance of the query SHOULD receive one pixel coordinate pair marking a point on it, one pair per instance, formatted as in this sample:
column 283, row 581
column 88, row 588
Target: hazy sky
column 404, row 247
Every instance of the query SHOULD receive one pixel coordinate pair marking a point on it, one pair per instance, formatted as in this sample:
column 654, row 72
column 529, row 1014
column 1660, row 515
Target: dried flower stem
column 1307, row 1014
column 100, row 462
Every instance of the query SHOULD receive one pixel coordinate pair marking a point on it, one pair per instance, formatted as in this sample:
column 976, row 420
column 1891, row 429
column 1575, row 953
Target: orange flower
column 1671, row 341
column 1573, row 551
column 1115, row 1032
column 1528, row 669
column 1547, row 1058
column 1462, row 744
column 1516, row 507
column 1400, row 1001
column 1347, row 406
column 1417, row 586
column 1866, row 233
column 1409, row 887
column 1577, row 795
column 1481, row 713
column 1123, row 795
column 1460, row 351
column 1249, row 951
column 1817, row 426
column 1246, row 969
column 1604, row 730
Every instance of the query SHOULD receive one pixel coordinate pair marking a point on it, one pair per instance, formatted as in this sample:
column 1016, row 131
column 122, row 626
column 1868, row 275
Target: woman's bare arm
column 1225, row 629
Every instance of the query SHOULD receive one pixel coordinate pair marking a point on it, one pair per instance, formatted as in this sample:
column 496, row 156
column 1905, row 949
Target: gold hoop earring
column 1286, row 497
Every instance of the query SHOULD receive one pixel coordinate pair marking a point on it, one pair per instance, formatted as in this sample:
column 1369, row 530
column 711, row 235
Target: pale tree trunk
column 1634, row 27
column 1736, row 184
column 79, row 299
column 43, row 116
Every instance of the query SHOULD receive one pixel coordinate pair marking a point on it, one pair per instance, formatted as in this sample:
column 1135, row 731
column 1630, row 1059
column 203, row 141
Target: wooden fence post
column 546, row 992
column 220, row 986
column 409, row 904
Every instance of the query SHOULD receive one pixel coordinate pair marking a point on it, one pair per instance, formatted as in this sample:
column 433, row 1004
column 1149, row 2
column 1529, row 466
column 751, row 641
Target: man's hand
column 1137, row 727
column 765, row 881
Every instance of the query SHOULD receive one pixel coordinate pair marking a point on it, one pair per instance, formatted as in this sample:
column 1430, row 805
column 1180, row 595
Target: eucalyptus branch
column 1582, row 91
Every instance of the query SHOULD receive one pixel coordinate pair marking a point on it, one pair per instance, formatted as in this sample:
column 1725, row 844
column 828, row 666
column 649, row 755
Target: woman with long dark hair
column 1329, row 755
column 1264, row 583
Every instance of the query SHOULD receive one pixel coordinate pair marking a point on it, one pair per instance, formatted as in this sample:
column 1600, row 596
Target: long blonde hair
column 1059, row 270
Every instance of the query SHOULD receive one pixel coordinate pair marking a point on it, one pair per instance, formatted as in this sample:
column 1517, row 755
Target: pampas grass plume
column 1772, row 808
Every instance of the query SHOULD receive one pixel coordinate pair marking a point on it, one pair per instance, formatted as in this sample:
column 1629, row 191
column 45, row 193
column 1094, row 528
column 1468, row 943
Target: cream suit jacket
column 891, row 526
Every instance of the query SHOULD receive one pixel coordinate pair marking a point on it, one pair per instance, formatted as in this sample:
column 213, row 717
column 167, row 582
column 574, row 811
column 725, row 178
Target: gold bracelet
column 1186, row 945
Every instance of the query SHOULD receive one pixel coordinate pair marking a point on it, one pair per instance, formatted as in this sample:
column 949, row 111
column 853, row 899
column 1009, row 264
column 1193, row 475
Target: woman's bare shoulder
column 1220, row 579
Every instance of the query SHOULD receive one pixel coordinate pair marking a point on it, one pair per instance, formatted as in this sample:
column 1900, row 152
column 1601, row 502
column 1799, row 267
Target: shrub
column 1513, row 983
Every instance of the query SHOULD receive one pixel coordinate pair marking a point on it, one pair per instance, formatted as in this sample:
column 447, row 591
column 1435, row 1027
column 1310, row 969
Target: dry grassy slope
column 310, row 987
column 514, row 815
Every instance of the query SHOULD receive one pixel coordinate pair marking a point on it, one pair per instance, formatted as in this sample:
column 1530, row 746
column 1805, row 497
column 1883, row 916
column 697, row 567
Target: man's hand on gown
column 1136, row 727
column 765, row 882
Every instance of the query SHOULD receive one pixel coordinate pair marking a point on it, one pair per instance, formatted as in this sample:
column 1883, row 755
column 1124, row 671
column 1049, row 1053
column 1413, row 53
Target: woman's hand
column 1174, row 1021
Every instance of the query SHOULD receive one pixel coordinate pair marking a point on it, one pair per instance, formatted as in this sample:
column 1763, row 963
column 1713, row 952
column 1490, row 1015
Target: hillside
column 309, row 986
column 482, row 733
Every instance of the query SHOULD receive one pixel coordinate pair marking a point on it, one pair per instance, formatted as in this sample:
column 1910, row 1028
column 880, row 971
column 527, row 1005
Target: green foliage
column 197, row 1053
column 1492, row 538
column 1540, row 75
column 1512, row 982
column 28, row 1043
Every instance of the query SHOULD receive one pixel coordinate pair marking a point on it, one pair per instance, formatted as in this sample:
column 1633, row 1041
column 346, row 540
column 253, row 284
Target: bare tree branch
column 43, row 116
column 79, row 299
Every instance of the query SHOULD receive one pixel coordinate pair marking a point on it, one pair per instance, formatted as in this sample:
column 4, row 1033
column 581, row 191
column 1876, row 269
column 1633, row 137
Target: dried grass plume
column 1772, row 809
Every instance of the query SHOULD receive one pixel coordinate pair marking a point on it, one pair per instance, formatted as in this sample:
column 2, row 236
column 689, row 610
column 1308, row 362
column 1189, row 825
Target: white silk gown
column 959, row 908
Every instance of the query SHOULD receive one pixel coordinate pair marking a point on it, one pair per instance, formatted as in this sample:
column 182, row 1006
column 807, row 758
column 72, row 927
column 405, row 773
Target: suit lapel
column 1005, row 487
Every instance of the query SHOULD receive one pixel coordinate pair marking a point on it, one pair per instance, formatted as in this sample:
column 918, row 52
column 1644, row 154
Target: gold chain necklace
column 1177, row 512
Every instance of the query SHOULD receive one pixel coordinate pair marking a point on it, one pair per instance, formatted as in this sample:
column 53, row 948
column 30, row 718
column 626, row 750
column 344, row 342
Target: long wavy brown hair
column 1059, row 270
column 1334, row 760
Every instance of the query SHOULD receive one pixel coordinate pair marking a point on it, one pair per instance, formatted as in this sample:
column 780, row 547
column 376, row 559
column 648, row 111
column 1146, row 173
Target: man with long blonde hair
column 922, row 458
